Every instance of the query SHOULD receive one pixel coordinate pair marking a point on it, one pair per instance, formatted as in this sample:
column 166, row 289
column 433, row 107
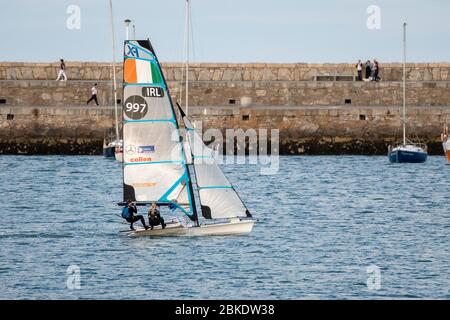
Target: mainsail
column 218, row 198
column 154, row 164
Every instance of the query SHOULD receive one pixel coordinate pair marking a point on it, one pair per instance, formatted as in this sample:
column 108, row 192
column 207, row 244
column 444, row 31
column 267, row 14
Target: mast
column 187, row 57
column 404, row 83
column 116, row 113
column 191, row 188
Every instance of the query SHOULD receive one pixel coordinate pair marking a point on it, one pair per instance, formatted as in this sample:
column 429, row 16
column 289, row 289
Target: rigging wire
column 191, row 28
column 183, row 55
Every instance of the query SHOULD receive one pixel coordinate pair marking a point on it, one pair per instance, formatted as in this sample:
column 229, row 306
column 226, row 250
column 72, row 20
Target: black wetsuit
column 135, row 217
column 156, row 219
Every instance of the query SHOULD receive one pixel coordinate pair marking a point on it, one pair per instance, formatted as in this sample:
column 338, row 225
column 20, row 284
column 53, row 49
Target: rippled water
column 322, row 222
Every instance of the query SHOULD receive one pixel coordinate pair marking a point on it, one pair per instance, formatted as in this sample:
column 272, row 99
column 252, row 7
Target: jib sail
column 217, row 196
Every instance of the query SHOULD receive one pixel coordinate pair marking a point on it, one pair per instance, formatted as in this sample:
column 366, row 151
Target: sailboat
column 114, row 148
column 407, row 151
column 157, row 168
column 446, row 143
column 111, row 149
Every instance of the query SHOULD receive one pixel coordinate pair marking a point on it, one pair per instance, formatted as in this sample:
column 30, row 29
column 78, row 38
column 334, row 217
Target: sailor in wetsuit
column 154, row 218
column 129, row 213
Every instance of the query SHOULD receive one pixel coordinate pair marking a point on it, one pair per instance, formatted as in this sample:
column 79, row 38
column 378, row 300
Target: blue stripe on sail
column 180, row 207
column 202, row 157
column 146, row 84
column 153, row 162
column 152, row 120
column 188, row 188
column 216, row 187
column 173, row 187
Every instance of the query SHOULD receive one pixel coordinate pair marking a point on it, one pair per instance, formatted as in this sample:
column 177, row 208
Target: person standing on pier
column 359, row 68
column 62, row 71
column 376, row 68
column 93, row 95
column 368, row 70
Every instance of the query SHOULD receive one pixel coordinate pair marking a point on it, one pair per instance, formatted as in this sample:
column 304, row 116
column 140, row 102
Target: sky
column 280, row 31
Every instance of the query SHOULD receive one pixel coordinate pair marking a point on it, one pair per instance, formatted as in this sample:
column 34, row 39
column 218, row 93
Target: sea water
column 329, row 227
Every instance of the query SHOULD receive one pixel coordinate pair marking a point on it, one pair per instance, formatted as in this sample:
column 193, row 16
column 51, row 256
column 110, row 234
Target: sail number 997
column 135, row 107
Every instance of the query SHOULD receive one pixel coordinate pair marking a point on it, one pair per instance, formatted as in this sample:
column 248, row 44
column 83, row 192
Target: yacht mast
column 116, row 113
column 187, row 57
column 404, row 83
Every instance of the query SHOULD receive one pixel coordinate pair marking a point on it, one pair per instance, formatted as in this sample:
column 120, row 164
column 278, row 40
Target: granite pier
column 317, row 108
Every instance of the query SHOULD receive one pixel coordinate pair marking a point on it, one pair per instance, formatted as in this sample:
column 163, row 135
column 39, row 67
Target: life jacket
column 126, row 213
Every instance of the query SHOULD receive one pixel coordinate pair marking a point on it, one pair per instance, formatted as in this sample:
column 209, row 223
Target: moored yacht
column 446, row 143
column 406, row 151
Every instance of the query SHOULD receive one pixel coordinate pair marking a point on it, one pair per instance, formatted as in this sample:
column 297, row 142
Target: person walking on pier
column 359, row 68
column 62, row 71
column 93, row 95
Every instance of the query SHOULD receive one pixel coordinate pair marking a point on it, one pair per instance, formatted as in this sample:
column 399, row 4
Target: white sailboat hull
column 446, row 143
column 446, row 146
column 119, row 156
column 218, row 229
column 232, row 227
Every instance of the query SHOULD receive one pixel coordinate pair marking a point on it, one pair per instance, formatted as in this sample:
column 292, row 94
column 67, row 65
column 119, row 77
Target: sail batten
column 154, row 163
column 216, row 187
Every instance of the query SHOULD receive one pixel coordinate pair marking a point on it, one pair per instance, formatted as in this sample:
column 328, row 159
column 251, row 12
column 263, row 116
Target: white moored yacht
column 446, row 143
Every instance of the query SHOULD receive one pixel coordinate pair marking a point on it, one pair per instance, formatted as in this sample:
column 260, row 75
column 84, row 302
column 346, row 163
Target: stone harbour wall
column 237, row 93
column 225, row 71
column 232, row 84
column 317, row 108
column 331, row 130
column 54, row 130
column 302, row 130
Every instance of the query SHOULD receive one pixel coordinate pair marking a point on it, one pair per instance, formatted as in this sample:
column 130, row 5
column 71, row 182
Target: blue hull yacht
column 407, row 153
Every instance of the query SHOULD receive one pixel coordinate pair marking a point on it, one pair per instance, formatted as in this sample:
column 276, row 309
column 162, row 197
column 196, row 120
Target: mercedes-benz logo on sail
column 130, row 149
